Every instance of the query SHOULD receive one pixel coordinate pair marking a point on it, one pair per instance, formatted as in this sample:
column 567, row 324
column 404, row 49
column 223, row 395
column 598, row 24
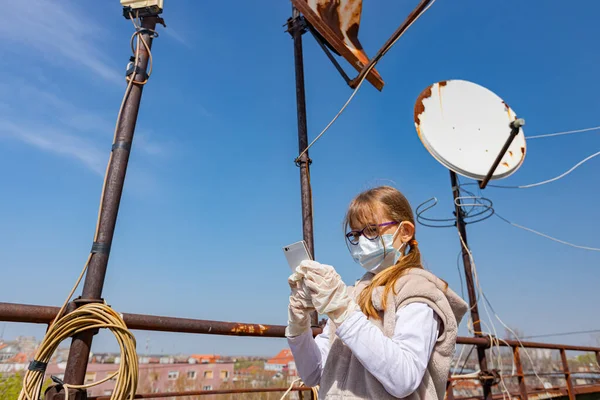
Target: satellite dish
column 465, row 126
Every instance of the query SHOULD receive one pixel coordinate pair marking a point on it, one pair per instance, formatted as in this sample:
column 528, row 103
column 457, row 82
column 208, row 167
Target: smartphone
column 295, row 253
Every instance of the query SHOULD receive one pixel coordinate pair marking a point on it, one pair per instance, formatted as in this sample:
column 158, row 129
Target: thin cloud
column 58, row 126
column 170, row 32
column 58, row 31
column 57, row 142
column 63, row 38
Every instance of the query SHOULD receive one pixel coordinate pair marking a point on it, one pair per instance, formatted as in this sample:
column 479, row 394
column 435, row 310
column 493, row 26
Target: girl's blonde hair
column 392, row 204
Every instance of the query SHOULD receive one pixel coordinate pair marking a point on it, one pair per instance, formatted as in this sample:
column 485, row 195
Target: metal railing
column 35, row 314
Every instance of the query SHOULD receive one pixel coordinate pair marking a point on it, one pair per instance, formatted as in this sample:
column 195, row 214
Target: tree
column 10, row 386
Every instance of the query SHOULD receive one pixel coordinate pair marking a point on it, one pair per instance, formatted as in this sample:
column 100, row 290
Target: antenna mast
column 147, row 11
column 472, row 131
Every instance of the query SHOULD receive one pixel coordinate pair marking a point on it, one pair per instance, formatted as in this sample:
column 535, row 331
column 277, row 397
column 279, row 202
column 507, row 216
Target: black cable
column 460, row 277
column 466, row 359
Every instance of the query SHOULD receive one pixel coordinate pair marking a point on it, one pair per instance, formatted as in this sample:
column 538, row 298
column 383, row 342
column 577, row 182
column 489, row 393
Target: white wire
column 595, row 128
column 290, row 388
column 547, row 236
column 476, row 279
column 360, row 84
column 549, row 180
column 493, row 341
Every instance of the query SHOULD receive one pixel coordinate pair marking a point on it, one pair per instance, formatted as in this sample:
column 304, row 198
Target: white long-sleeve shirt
column 398, row 363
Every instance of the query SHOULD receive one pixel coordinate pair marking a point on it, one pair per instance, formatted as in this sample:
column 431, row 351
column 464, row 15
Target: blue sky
column 212, row 193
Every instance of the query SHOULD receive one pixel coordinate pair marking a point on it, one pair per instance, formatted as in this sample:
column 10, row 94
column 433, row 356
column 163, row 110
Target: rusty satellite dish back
column 464, row 126
column 337, row 21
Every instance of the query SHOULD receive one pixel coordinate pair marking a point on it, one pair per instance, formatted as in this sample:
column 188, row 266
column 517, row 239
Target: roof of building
column 206, row 357
column 20, row 358
column 284, row 357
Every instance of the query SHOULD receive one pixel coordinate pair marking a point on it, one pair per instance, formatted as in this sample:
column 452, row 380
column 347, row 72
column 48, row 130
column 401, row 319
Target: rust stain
column 523, row 150
column 440, row 86
column 419, row 106
column 511, row 117
column 343, row 18
column 505, row 164
column 510, row 153
column 249, row 328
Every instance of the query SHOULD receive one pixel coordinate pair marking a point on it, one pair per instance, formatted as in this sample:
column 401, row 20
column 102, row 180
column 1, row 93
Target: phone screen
column 295, row 253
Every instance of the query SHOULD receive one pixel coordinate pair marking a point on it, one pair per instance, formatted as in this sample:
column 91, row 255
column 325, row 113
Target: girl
column 392, row 335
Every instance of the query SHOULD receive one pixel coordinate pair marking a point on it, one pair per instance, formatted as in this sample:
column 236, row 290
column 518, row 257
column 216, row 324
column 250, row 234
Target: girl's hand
column 299, row 307
column 327, row 290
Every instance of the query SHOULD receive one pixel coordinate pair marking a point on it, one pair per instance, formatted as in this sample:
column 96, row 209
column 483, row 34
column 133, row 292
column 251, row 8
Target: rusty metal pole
column 520, row 374
column 449, row 387
column 297, row 28
column 115, row 179
column 461, row 225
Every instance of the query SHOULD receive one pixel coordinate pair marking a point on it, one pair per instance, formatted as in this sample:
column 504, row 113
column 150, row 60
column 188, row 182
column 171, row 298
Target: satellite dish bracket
column 515, row 127
column 327, row 51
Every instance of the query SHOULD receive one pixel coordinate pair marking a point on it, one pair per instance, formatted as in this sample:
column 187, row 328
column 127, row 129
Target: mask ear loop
column 402, row 247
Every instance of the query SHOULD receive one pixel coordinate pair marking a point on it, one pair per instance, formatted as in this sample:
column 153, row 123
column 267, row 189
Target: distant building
column 282, row 362
column 204, row 358
column 8, row 351
column 244, row 374
column 157, row 378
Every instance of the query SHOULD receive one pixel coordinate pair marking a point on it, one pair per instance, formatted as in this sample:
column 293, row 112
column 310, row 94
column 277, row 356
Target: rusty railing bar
column 44, row 314
column 484, row 341
column 558, row 391
column 205, row 393
column 562, row 390
column 555, row 374
column 25, row 313
column 565, row 362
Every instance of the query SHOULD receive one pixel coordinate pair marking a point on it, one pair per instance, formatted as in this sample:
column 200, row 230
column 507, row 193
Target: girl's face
column 378, row 224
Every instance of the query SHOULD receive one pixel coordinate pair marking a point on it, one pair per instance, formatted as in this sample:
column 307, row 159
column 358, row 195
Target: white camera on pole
column 144, row 7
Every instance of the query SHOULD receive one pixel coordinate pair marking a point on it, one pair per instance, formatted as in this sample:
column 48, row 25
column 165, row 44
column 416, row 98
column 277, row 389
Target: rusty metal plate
column 337, row 21
column 464, row 126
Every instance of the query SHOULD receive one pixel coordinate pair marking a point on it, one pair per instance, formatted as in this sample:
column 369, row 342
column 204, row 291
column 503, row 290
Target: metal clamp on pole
column 490, row 378
column 515, row 127
column 296, row 23
column 299, row 161
column 134, row 70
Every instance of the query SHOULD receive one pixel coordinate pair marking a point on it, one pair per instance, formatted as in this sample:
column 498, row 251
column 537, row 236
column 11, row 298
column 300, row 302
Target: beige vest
column 344, row 377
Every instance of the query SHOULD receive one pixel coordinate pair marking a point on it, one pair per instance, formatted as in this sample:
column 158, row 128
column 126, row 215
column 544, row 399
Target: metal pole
column 567, row 372
column 115, row 179
column 520, row 374
column 297, row 29
column 460, row 224
column 515, row 128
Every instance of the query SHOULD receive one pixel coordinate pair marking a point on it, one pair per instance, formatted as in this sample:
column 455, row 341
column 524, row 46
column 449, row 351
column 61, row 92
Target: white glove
column 299, row 307
column 328, row 292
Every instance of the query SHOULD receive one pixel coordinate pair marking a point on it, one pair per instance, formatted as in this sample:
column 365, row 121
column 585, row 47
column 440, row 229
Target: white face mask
column 376, row 255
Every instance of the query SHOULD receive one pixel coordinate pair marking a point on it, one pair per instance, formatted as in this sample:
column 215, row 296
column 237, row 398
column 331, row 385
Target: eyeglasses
column 371, row 232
